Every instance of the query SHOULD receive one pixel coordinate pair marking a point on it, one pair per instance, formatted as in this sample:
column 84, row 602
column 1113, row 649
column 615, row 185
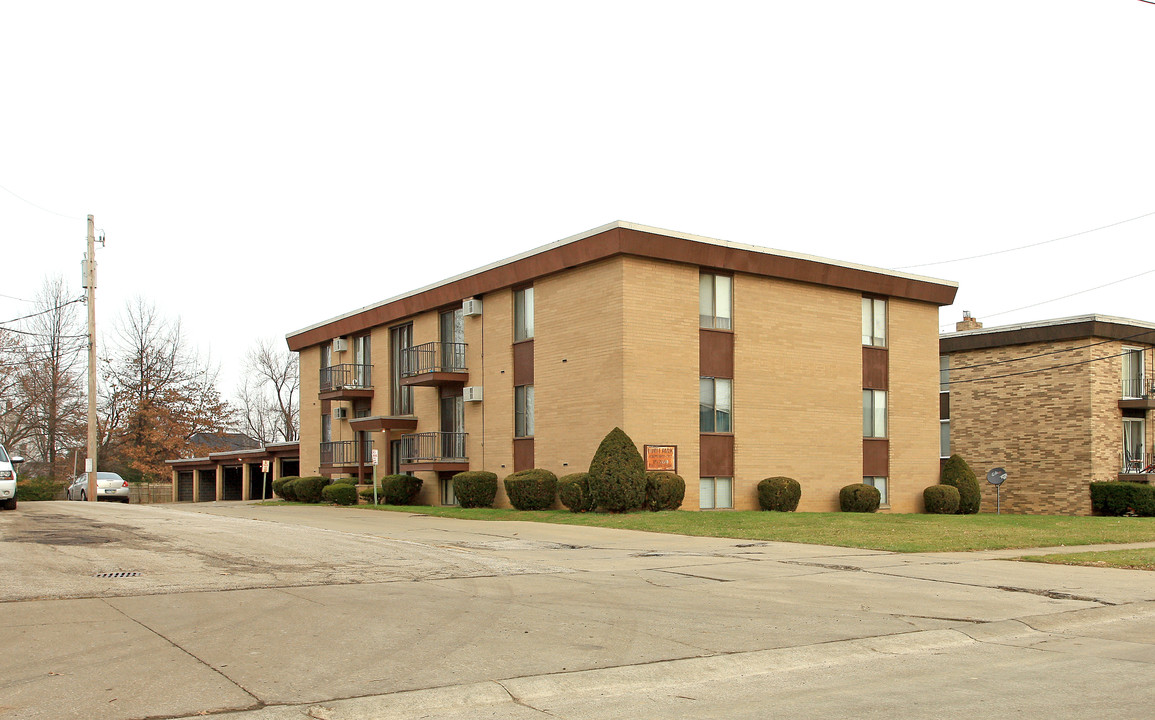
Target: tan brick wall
column 797, row 389
column 310, row 430
column 490, row 422
column 913, row 402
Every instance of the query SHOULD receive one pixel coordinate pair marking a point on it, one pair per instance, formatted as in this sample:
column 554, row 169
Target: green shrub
column 345, row 481
column 859, row 498
column 340, row 493
column 367, row 494
column 475, row 488
column 36, row 488
column 956, row 472
column 941, row 499
column 531, row 489
column 400, row 489
column 283, row 488
column 617, row 474
column 574, row 492
column 664, row 491
column 779, row 493
column 308, row 489
column 1123, row 498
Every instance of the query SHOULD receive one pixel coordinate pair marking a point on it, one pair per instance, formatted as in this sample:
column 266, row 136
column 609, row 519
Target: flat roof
column 626, row 238
column 1053, row 330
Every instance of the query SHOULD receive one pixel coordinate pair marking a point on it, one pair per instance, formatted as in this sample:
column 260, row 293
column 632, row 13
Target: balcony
column 439, row 451
column 434, row 364
column 346, row 382
column 345, row 453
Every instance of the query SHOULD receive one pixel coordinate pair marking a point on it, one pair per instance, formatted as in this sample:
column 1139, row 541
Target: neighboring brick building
column 1058, row 403
column 752, row 362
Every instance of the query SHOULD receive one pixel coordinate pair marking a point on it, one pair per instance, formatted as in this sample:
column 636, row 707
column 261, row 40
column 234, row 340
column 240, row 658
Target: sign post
column 996, row 476
column 265, row 480
column 374, row 476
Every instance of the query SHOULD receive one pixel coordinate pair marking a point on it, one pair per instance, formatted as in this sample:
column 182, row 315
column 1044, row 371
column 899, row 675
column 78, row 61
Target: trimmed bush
column 345, row 481
column 941, row 499
column 36, row 488
column 664, row 491
column 859, row 498
column 956, row 472
column 340, row 493
column 1123, row 498
column 780, row 494
column 308, row 489
column 367, row 494
column 531, row 489
column 574, row 492
column 283, row 488
column 400, row 489
column 617, row 474
column 475, row 488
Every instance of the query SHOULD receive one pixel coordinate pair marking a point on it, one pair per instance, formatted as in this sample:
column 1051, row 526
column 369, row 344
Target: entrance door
column 453, row 427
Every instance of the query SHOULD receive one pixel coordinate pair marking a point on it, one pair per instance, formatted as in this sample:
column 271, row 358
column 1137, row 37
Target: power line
column 42, row 312
column 1031, row 245
column 13, row 297
column 1053, row 352
column 38, row 207
column 1036, row 370
column 25, row 332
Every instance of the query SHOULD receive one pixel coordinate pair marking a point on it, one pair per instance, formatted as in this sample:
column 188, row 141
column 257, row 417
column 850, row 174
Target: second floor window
column 944, row 373
column 1133, row 372
column 874, row 322
column 715, row 301
column 523, row 411
column 715, row 411
column 523, row 314
column 874, row 413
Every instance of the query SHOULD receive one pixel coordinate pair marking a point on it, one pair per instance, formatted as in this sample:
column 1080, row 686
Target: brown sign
column 661, row 458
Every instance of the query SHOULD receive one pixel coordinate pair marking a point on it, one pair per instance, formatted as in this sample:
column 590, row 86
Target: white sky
column 260, row 167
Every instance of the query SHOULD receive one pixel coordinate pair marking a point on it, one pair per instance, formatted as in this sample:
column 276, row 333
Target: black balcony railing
column 433, row 447
column 346, row 376
column 1138, row 388
column 433, row 357
column 347, row 452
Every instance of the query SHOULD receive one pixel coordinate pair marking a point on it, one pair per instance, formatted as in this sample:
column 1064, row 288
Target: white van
column 8, row 479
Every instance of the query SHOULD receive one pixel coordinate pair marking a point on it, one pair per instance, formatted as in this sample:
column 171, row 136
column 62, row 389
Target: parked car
column 109, row 486
column 8, row 465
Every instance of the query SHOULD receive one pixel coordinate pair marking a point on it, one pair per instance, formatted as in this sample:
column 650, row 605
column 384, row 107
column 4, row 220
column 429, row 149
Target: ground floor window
column 878, row 483
column 944, row 438
column 715, row 493
column 447, row 495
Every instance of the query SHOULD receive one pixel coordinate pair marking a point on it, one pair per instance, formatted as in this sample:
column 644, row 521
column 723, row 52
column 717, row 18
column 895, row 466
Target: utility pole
column 90, row 283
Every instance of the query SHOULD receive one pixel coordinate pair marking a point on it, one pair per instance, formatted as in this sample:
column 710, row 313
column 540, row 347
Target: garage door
column 184, row 486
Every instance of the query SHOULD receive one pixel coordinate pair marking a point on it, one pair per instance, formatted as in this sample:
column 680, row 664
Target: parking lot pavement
column 291, row 612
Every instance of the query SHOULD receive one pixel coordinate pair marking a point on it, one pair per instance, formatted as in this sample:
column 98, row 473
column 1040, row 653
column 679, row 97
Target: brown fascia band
column 627, row 241
column 1047, row 334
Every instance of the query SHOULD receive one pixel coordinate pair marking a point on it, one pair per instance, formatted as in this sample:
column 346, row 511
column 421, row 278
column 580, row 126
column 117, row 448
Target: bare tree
column 268, row 395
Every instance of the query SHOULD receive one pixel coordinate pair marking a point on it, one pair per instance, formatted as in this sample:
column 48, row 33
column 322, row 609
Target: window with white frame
column 447, row 495
column 1133, row 372
column 523, row 411
column 715, row 411
column 878, row 483
column 944, row 438
column 874, row 413
column 523, row 314
column 715, row 493
column 874, row 322
column 1134, row 450
column 944, row 373
column 715, row 301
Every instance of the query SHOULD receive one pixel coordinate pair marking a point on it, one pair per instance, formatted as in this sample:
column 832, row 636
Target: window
column 879, row 483
column 326, row 355
column 944, row 438
column 523, row 411
column 714, row 405
column 447, row 495
column 452, row 331
column 1134, row 433
column 715, row 298
column 326, row 428
column 944, row 373
column 715, row 493
column 874, row 413
column 874, row 322
column 1133, row 373
column 401, row 339
column 362, row 359
column 523, row 314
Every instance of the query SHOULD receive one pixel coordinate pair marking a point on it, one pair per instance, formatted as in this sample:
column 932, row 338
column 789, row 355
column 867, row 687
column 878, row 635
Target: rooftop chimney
column 968, row 323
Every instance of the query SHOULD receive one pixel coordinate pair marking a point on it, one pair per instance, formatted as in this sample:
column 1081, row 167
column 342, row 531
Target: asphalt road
column 279, row 613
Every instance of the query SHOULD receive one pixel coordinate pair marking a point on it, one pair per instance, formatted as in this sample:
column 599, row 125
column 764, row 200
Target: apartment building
column 725, row 362
column 1057, row 403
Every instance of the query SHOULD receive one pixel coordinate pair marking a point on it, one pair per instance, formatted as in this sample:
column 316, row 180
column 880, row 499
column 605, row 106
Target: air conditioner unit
column 471, row 307
column 340, row 344
column 472, row 394
column 340, row 413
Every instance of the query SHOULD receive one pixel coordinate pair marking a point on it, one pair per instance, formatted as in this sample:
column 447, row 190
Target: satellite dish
column 996, row 476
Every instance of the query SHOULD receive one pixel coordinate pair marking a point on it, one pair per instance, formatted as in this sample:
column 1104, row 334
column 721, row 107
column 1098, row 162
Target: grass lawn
column 897, row 533
column 1130, row 559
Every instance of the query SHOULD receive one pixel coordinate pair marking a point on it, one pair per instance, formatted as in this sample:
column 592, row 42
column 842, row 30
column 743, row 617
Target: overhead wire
column 42, row 312
column 1035, row 370
column 1053, row 352
column 39, row 207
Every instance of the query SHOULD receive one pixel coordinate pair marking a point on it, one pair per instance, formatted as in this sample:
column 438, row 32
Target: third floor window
column 715, row 301
column 874, row 322
column 523, row 314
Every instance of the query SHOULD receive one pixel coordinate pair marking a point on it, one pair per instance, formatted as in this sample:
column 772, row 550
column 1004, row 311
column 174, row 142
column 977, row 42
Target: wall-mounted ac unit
column 471, row 307
column 340, row 413
column 340, row 344
column 472, row 393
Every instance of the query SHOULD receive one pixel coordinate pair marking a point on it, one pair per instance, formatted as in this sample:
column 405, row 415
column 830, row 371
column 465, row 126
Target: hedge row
column 1123, row 498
